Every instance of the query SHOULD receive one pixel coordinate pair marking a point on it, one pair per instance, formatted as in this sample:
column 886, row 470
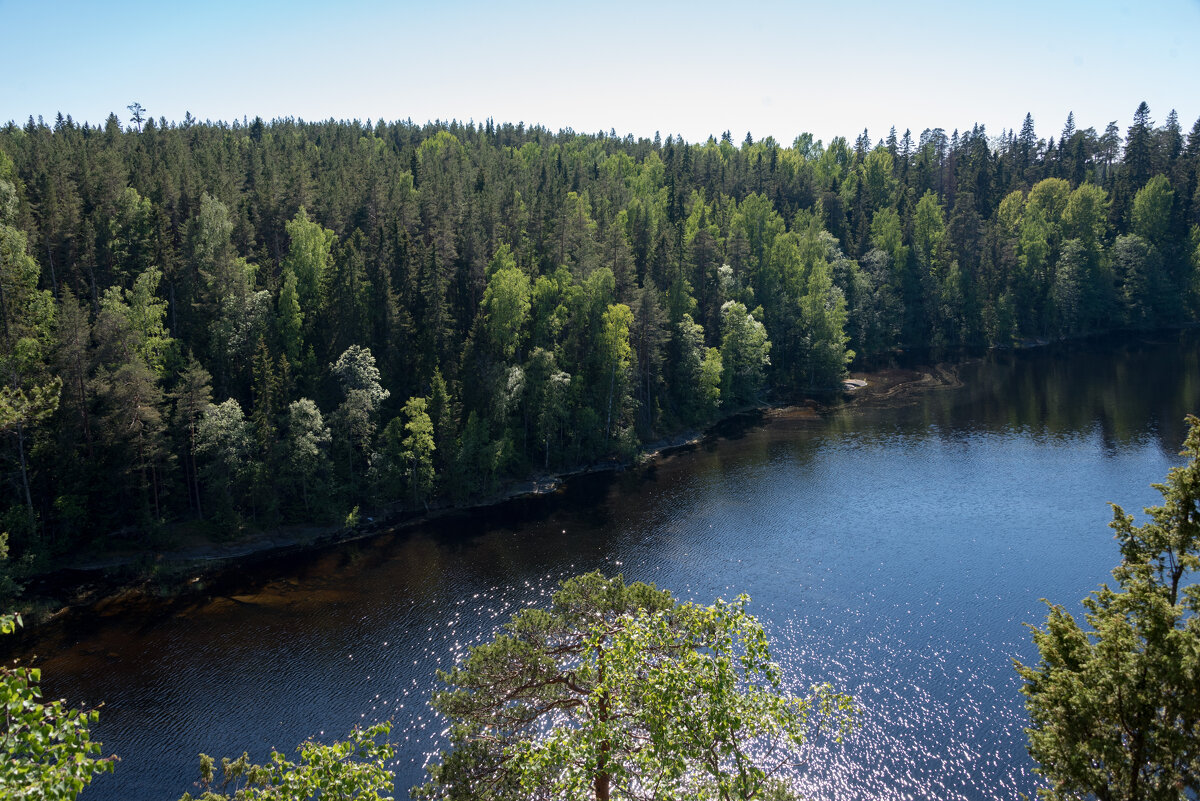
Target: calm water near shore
column 894, row 550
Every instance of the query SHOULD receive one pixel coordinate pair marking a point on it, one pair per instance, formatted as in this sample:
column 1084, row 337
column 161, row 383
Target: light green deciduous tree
column 418, row 448
column 506, row 303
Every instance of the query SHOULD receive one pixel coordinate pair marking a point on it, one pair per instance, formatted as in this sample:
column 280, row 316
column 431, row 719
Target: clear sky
column 698, row 68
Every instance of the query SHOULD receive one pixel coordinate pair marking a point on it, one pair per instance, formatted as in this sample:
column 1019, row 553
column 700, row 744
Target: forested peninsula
column 236, row 326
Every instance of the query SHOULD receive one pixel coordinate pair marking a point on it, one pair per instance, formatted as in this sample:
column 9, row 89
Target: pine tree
column 1139, row 149
column 1068, row 132
column 193, row 397
column 1114, row 709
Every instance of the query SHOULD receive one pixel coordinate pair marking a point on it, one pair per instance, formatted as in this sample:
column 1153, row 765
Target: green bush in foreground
column 46, row 752
column 351, row 769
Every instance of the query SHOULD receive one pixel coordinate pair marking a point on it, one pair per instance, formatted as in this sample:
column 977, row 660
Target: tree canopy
column 622, row 691
column 1115, row 708
column 558, row 297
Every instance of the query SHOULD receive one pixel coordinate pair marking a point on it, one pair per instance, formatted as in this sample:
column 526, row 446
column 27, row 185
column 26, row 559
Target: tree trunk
column 95, row 292
column 53, row 274
column 603, row 779
column 24, row 466
column 195, row 472
column 174, row 321
column 612, row 384
column 83, row 410
column 154, row 484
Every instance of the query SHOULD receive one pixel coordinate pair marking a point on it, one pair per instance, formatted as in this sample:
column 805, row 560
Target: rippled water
column 894, row 552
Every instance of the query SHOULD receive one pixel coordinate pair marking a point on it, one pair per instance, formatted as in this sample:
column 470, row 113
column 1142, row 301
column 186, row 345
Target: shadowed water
column 895, row 552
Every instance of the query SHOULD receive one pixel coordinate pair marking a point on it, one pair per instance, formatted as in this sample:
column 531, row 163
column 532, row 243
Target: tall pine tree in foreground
column 1115, row 709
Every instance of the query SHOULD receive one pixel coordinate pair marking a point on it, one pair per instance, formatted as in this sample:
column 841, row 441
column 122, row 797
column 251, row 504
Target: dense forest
column 241, row 325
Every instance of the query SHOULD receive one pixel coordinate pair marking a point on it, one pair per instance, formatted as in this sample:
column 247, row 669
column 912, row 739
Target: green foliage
column 687, row 356
column 1086, row 216
column 26, row 312
column 481, row 458
column 1138, row 268
column 211, row 248
column 615, row 354
column 506, row 303
column 290, row 317
column 308, row 259
column 46, row 750
column 224, row 444
column 8, row 586
column 929, row 236
column 129, row 232
column 355, row 370
column 1193, row 281
column 549, row 389
column 305, row 454
column 1069, row 286
column 823, row 321
column 888, row 235
column 1050, row 197
column 441, row 415
column 144, row 313
column 877, row 174
column 356, row 419
column 621, row 691
column 21, row 407
column 1114, row 709
column 8, row 198
column 1152, row 210
column 745, row 354
column 354, row 769
column 711, row 371
column 453, row 253
column 417, row 448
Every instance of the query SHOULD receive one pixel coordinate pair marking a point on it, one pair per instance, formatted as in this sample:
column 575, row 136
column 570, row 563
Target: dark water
column 892, row 551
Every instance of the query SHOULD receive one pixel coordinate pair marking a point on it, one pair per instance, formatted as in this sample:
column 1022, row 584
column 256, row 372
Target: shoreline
column 118, row 579
column 165, row 574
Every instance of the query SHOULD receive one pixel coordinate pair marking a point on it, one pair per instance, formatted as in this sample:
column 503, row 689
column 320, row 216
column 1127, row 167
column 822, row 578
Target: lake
column 895, row 550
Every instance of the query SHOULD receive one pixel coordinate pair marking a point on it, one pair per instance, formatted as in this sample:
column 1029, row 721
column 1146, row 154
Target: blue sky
column 771, row 68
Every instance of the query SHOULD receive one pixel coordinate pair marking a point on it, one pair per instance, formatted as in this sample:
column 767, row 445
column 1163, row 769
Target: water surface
column 894, row 551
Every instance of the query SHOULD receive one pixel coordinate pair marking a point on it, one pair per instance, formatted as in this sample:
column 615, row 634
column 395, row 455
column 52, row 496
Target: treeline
column 257, row 323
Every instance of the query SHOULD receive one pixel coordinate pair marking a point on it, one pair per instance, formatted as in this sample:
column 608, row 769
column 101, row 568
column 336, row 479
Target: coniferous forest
column 242, row 325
